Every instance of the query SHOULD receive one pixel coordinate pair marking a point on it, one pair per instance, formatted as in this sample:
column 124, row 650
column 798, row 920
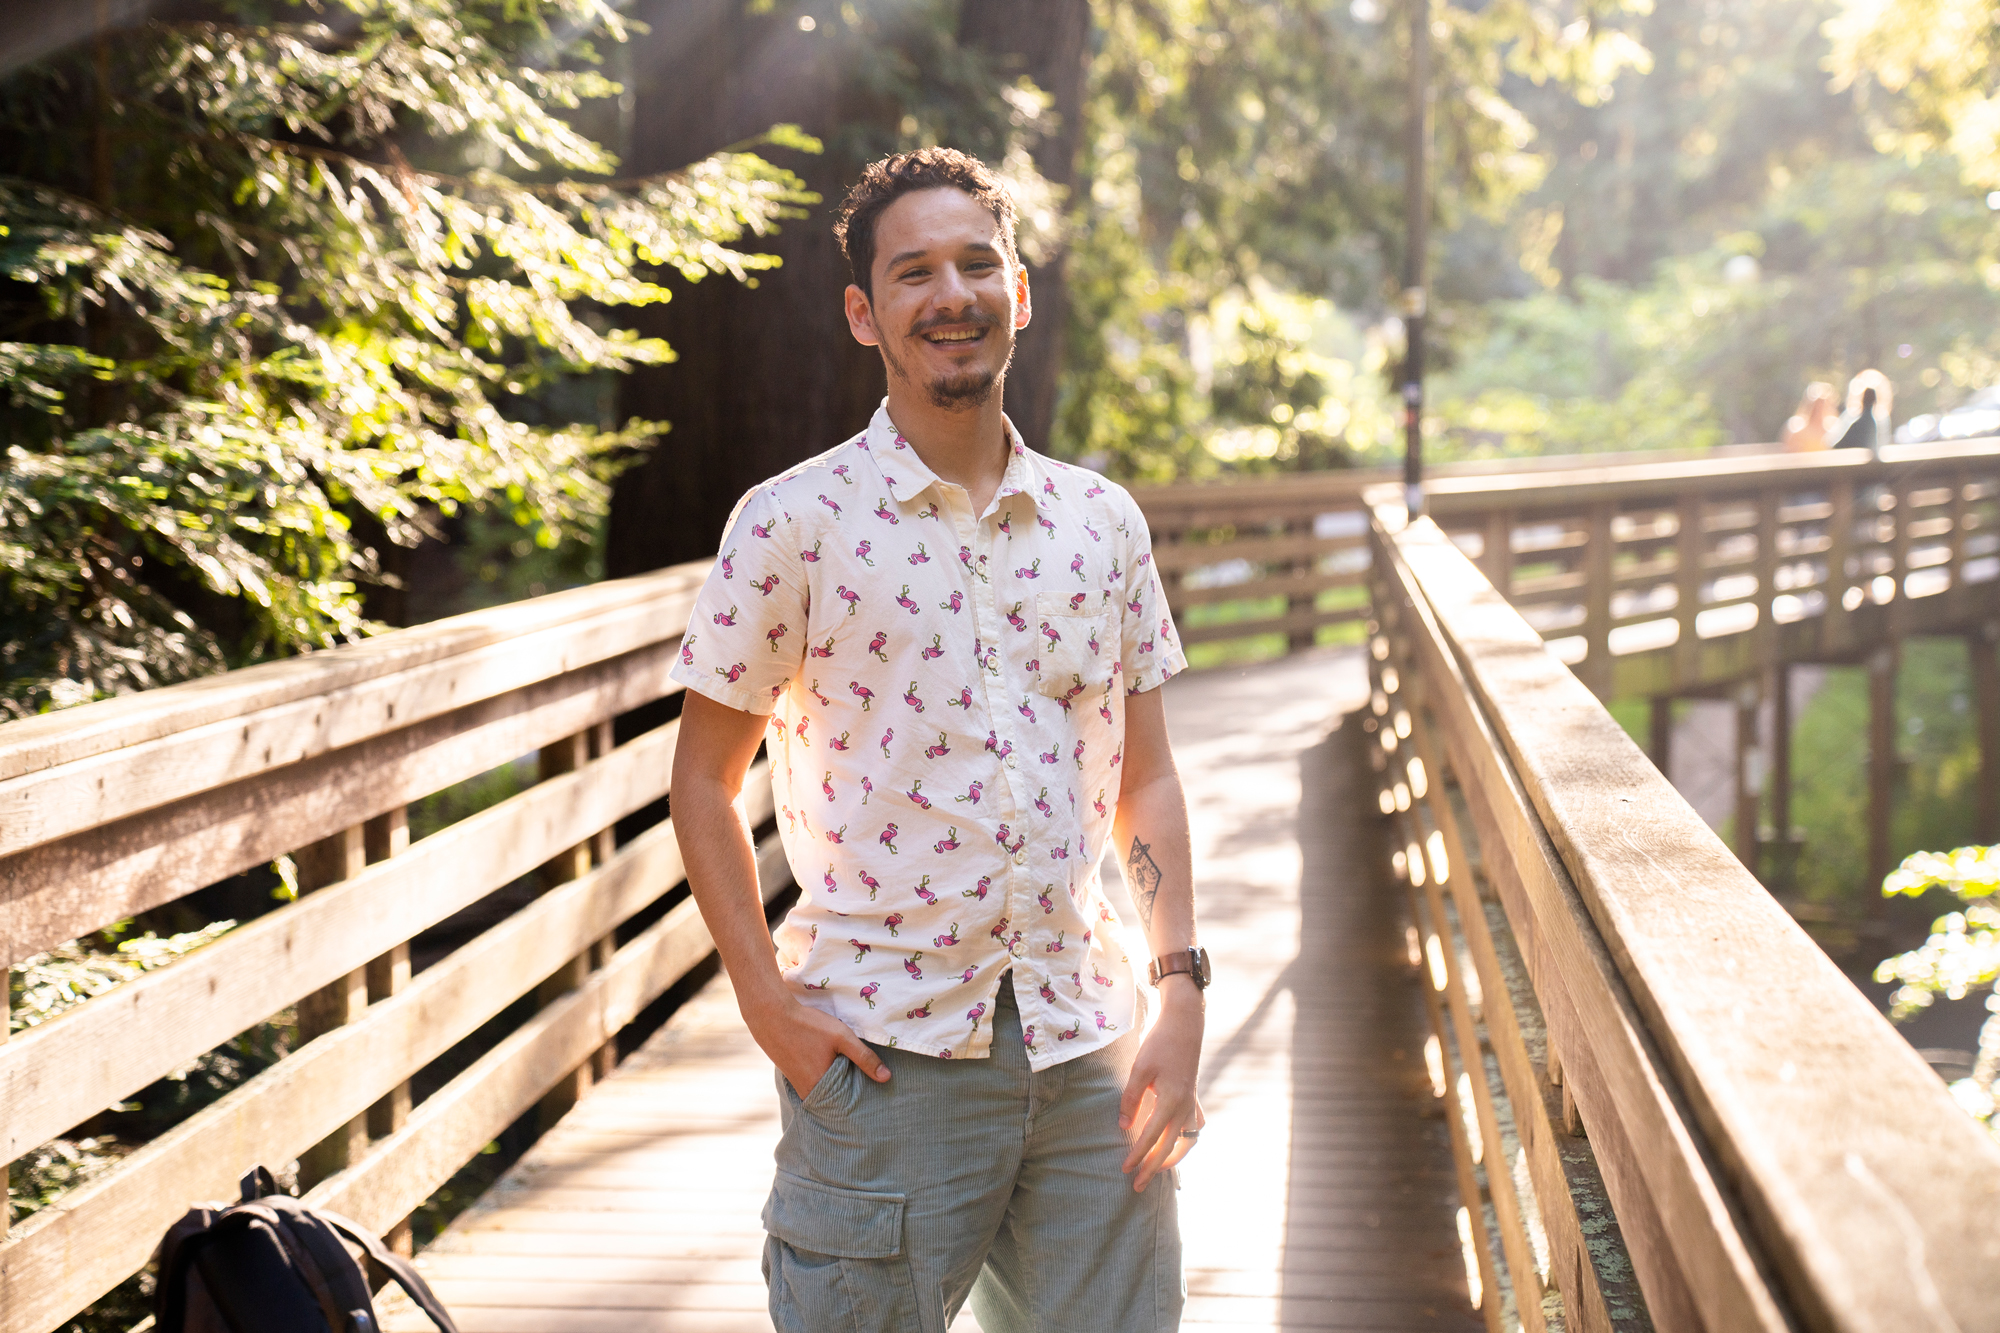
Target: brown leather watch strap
column 1193, row 962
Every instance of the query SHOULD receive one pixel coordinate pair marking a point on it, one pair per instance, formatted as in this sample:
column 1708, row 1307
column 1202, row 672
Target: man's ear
column 861, row 317
column 1024, row 309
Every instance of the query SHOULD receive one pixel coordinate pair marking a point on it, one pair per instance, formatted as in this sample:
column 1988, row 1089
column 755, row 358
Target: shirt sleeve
column 745, row 638
column 1149, row 646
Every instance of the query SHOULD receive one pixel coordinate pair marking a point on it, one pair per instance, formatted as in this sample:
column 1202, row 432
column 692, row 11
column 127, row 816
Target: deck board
column 1322, row 1196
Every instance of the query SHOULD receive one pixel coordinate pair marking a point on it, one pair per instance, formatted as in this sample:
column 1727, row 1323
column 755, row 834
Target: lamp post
column 1414, row 302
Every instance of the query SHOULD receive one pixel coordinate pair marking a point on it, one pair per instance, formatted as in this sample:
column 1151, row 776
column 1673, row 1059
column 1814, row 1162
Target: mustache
column 975, row 316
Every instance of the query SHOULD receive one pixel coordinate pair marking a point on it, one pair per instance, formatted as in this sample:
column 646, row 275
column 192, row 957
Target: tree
column 767, row 379
column 301, row 281
column 1941, row 61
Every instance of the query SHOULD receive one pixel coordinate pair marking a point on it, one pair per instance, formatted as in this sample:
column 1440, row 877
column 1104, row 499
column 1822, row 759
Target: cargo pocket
column 834, row 1259
column 1074, row 646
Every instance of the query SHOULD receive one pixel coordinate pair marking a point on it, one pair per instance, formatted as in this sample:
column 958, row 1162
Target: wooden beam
column 1980, row 647
column 1784, row 847
column 1599, row 557
column 1882, row 664
column 325, row 863
column 1690, row 546
column 1749, row 777
column 388, row 835
column 1660, row 734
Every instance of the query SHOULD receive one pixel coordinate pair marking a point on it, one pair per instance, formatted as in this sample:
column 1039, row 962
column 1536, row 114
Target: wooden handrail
column 1775, row 1154
column 117, row 807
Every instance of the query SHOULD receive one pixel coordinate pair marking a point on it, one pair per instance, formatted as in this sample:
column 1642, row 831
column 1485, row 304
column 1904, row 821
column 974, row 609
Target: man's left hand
column 1159, row 1100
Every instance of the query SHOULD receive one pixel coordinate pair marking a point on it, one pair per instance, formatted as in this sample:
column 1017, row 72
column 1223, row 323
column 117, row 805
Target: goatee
column 958, row 393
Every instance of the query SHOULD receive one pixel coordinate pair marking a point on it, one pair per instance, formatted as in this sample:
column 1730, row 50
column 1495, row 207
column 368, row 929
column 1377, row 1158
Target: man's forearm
column 721, row 862
column 1152, row 837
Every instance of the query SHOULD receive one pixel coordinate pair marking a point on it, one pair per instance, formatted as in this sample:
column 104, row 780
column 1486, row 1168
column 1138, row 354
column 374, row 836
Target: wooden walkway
column 1322, row 1197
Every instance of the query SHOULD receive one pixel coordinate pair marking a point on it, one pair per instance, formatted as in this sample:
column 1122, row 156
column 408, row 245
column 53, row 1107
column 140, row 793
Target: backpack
column 269, row 1264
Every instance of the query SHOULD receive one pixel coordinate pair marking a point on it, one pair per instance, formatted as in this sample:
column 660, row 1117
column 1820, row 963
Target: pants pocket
column 835, row 1261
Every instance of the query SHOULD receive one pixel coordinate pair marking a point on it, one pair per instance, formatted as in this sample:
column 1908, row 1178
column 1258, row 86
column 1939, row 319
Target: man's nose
column 953, row 291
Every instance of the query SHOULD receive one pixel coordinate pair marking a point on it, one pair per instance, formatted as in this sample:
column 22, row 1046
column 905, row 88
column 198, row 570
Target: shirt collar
column 908, row 476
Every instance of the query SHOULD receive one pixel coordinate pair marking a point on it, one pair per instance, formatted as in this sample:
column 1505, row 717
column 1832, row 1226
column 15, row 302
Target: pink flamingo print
column 1076, row 602
column 1118, row 755
column 861, row 692
column 1006, row 526
column 928, row 511
column 910, row 966
column 1057, row 947
column 936, row 649
column 1070, row 1033
column 888, row 839
column 1095, row 535
column 1076, row 980
column 841, row 472
column 1032, row 570
column 893, row 920
column 969, row 973
column 1103, row 1025
column 1047, row 904
column 1059, row 852
column 867, row 783
column 728, row 565
column 1096, row 489
column 861, row 551
column 800, row 730
column 1046, row 992
column 822, row 650
column 1097, row 802
column 1051, row 756
column 813, row 690
column 1047, row 526
column 887, row 736
column 948, row 843
column 1076, row 568
column 953, row 602
column 838, row 742
column 1002, row 836
column 1146, row 644
column 1025, row 709
column 826, row 784
column 1136, row 607
column 921, row 1011
column 1100, row 978
column 848, row 595
column 916, row 795
column 903, row 600
column 1014, row 619
column 883, row 512
column 920, row 556
column 910, row 697
column 1042, row 804
column 832, row 884
column 999, row 931
column 811, row 557
column 876, row 644
column 868, row 992
column 733, row 673
column 759, row 530
column 837, row 836
column 873, row 884
column 1077, row 754
column 861, row 950
column 687, row 651
column 1104, row 710
column 725, row 617
column 821, row 984
column 963, row 699
column 1050, row 633
column 978, row 890
column 972, row 793
column 1049, row 488
column 949, row 938
column 923, row 891
column 1028, row 1036
column 774, row 635
column 975, row 1013
column 830, row 504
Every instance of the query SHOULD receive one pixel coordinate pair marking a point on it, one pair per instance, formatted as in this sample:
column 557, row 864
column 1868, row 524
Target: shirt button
column 1011, row 763
column 1020, row 858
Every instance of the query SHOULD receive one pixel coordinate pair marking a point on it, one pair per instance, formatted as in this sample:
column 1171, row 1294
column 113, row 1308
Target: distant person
column 1865, row 423
column 1807, row 429
column 974, row 1099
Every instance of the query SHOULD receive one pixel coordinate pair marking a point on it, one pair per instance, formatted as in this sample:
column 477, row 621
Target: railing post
column 1881, row 769
column 1785, row 848
column 1496, row 561
column 1955, row 600
column 1688, row 543
column 328, row 861
column 1298, row 639
column 1839, row 551
column 1767, row 577
column 1599, row 555
column 1899, row 555
column 1748, row 778
column 385, row 836
column 1980, row 646
column 567, row 756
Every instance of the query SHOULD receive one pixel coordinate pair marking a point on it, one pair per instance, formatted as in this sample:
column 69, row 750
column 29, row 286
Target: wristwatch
column 1194, row 962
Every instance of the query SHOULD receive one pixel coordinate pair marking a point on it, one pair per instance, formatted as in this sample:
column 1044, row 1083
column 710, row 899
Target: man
column 952, row 648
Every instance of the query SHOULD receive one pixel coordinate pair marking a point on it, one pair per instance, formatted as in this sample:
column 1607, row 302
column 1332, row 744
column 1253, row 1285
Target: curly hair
column 884, row 182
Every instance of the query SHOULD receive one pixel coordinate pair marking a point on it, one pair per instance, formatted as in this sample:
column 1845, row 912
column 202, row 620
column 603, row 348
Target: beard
column 964, row 391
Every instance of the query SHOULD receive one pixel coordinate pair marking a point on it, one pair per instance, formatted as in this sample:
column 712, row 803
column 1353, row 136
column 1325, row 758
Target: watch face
column 1200, row 967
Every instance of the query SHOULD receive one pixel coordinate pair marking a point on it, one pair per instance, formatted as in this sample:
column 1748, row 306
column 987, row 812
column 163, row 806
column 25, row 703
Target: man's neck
column 966, row 447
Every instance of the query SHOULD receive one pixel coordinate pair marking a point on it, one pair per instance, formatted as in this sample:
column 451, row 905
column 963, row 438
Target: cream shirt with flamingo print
column 947, row 702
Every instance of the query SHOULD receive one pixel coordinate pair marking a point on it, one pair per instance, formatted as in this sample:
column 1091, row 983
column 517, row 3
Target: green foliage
column 1938, row 58
column 305, row 301
column 1961, row 956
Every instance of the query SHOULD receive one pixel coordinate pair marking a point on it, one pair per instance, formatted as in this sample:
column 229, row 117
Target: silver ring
column 1190, row 1134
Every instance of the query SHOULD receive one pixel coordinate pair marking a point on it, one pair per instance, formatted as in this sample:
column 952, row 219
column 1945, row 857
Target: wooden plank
column 1696, row 939
column 1289, row 585
column 60, row 890
column 455, row 1122
column 1291, row 623
column 122, row 774
column 1181, row 556
column 80, row 1247
column 1598, row 557
column 336, row 1004
column 69, row 1068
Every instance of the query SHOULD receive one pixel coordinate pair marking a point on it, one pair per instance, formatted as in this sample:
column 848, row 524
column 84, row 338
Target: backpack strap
column 395, row 1265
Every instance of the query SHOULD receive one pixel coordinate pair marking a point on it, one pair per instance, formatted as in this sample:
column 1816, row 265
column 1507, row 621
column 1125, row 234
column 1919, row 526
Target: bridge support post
column 1783, row 842
column 566, row 756
column 385, row 836
column 1980, row 647
column 1881, row 770
column 1660, row 733
column 1749, row 772
column 328, row 861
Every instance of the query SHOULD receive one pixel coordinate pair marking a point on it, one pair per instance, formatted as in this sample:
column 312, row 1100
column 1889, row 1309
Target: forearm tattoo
column 1142, row 873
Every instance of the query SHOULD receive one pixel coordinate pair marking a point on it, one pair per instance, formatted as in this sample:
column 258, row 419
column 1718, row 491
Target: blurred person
column 1865, row 423
column 952, row 648
column 1807, row 428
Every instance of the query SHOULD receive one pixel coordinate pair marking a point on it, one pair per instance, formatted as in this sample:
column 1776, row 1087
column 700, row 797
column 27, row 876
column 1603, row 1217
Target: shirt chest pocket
column 1075, row 640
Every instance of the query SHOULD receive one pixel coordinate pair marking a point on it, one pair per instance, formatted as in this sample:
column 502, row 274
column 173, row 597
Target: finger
column 1135, row 1130
column 1157, row 1155
column 1161, row 1122
column 864, row 1058
column 1136, row 1084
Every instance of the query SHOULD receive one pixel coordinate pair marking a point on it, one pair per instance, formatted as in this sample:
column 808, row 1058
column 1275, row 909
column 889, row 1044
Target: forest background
column 326, row 316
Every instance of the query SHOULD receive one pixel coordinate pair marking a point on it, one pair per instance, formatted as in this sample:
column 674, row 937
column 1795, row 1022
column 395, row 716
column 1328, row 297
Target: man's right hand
column 802, row 1042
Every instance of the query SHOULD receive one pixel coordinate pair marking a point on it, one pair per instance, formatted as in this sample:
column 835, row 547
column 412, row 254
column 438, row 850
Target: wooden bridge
column 1504, row 1034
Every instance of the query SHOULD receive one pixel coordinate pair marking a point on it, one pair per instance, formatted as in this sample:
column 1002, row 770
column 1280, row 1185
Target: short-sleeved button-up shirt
column 947, row 702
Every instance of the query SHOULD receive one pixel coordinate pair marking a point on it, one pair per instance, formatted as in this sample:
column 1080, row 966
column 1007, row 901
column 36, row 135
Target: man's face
column 946, row 298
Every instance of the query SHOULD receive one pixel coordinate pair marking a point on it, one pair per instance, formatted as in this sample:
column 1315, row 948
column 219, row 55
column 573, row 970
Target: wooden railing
column 1669, row 1109
column 123, row 806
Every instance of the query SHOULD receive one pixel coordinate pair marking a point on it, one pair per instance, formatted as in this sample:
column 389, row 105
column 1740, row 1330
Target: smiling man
column 953, row 649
